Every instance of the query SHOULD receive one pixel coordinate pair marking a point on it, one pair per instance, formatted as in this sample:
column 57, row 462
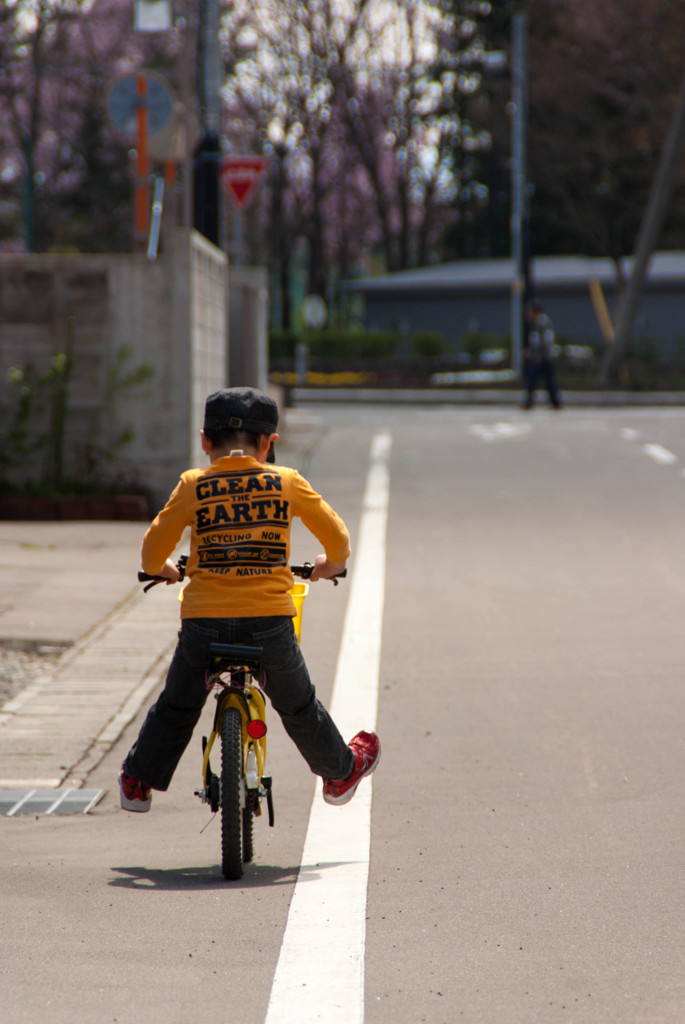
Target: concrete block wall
column 171, row 314
column 209, row 329
column 249, row 327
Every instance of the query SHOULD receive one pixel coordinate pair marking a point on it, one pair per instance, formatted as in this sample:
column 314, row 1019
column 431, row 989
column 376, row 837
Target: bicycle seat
column 237, row 654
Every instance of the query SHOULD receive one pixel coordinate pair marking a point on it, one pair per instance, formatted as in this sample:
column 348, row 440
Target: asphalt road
column 526, row 854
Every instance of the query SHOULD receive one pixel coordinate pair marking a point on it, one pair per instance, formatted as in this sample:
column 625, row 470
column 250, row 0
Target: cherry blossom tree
column 355, row 102
column 65, row 170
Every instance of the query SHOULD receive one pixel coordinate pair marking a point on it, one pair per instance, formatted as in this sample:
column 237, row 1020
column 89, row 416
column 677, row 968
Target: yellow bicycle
column 235, row 676
column 235, row 673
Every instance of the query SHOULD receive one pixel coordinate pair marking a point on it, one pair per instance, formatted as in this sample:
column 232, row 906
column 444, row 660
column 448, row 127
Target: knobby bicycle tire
column 248, row 841
column 231, row 782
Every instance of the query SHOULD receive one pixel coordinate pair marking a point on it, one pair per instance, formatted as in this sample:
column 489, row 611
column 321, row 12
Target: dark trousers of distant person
column 533, row 371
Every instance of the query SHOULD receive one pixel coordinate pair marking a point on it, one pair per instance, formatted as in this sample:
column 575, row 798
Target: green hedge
column 353, row 345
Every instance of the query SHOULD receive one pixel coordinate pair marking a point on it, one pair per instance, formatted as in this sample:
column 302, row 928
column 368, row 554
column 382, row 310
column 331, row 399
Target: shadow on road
column 208, row 877
column 257, row 876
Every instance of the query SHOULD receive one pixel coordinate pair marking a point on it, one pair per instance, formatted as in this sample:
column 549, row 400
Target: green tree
column 603, row 84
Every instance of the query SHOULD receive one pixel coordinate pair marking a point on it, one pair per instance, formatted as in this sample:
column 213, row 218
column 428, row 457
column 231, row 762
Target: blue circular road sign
column 123, row 101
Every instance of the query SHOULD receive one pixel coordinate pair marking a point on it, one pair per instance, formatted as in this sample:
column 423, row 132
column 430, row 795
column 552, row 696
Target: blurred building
column 456, row 298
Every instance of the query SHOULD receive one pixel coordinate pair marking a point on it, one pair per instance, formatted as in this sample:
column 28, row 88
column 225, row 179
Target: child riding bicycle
column 240, row 510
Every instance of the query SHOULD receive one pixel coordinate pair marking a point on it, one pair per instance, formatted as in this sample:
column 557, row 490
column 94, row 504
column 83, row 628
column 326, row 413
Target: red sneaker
column 135, row 795
column 366, row 748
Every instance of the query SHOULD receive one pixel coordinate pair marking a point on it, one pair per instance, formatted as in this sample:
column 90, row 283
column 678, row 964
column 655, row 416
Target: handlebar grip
column 305, row 571
column 143, row 577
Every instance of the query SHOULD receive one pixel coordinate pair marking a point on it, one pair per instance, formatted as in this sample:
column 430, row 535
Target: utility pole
column 207, row 196
column 520, row 245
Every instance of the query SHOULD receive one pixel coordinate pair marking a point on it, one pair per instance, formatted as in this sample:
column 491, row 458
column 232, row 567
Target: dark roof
column 546, row 271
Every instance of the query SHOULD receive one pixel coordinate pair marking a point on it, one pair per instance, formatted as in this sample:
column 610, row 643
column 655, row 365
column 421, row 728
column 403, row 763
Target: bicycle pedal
column 266, row 784
column 270, row 808
column 214, row 792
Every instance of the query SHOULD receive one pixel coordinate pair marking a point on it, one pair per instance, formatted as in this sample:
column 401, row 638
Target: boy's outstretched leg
column 366, row 748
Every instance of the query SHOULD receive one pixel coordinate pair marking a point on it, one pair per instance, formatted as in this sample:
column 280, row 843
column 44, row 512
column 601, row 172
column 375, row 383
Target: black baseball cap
column 241, row 409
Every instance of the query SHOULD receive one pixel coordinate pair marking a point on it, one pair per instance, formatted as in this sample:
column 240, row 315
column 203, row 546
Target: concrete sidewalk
column 59, row 579
column 75, row 583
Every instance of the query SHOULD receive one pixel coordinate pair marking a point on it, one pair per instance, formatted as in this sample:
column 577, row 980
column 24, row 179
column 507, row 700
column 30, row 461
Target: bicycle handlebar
column 304, row 571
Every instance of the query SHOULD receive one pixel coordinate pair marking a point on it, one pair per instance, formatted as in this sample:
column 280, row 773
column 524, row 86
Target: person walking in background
column 539, row 356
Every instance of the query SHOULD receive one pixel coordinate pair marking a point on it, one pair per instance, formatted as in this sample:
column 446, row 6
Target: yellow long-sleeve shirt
column 240, row 512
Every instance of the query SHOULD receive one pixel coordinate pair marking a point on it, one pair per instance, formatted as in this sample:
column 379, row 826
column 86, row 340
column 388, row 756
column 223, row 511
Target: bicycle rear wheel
column 231, row 781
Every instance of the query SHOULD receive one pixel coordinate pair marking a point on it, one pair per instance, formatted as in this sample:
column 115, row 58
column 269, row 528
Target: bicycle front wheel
column 231, row 781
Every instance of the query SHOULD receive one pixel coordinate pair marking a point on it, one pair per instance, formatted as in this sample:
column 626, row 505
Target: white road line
column 660, row 454
column 320, row 970
column 499, row 431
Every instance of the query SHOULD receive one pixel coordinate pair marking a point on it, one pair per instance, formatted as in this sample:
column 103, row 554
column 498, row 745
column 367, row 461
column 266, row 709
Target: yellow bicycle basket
column 298, row 594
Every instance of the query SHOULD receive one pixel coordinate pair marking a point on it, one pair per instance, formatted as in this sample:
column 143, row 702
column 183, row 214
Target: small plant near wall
column 23, row 443
column 97, row 455
column 37, row 455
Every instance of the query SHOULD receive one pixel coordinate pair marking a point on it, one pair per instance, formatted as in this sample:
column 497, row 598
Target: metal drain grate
column 49, row 801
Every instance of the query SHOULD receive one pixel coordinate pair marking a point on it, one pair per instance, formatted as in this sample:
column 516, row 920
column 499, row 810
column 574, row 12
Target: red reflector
column 256, row 728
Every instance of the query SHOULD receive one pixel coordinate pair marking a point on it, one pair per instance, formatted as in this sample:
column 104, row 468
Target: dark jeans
column 533, row 371
column 170, row 722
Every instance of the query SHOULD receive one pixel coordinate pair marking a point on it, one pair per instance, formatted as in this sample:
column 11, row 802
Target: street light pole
column 519, row 187
column 207, row 197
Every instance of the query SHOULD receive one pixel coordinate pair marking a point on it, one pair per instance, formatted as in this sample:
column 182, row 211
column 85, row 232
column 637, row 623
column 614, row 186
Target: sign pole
column 142, row 164
column 240, row 176
column 238, row 237
column 520, row 244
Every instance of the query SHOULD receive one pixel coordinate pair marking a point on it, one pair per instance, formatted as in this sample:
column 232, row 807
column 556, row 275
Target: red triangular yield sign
column 240, row 174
